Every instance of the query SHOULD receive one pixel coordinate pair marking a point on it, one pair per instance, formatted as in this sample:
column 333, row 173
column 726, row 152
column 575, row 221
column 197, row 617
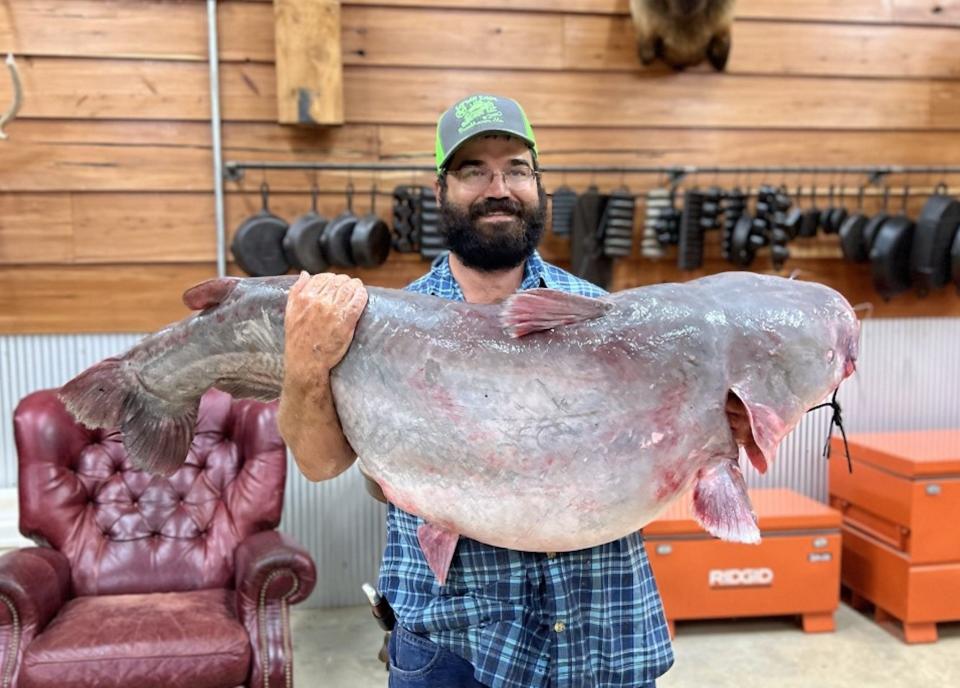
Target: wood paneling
column 128, row 298
column 933, row 12
column 111, row 89
column 681, row 100
column 414, row 36
column 56, row 155
column 106, row 210
column 946, row 12
column 35, row 225
column 763, row 47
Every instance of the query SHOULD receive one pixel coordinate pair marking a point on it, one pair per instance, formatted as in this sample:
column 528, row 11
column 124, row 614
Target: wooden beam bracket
column 309, row 62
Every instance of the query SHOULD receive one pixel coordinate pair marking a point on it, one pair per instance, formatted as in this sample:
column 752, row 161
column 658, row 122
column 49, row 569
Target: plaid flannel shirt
column 585, row 619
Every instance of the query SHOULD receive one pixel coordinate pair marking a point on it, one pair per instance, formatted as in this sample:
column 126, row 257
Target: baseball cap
column 479, row 114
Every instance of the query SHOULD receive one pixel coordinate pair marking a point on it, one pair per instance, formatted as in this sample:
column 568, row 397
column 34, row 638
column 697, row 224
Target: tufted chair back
column 125, row 531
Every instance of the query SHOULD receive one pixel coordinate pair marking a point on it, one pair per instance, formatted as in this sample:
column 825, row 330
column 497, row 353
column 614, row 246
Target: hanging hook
column 17, row 96
column 350, row 196
column 264, row 194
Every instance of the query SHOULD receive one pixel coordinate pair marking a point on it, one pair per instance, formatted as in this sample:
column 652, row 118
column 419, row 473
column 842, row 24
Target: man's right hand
column 321, row 316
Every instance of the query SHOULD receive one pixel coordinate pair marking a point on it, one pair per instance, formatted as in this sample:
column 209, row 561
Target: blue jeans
column 416, row 662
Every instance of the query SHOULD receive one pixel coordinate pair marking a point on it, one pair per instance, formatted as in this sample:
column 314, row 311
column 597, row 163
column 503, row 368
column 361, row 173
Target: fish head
column 789, row 355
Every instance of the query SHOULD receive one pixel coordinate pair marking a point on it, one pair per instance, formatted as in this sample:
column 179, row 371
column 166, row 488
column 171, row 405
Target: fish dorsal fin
column 209, row 293
column 536, row 310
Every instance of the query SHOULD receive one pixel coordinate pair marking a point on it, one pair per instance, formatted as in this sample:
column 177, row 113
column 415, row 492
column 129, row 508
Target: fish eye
column 831, row 355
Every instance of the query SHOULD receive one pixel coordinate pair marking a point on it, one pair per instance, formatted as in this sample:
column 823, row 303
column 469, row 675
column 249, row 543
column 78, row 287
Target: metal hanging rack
column 234, row 170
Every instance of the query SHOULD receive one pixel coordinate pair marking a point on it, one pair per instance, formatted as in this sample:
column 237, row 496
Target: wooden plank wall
column 106, row 190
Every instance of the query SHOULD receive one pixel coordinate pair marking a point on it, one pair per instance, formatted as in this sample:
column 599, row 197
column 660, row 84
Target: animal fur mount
column 683, row 32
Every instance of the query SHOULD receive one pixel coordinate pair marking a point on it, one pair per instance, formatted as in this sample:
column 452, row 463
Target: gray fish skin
column 557, row 440
column 567, row 438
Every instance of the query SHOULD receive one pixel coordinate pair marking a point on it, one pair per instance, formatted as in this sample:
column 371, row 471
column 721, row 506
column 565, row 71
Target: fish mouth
column 849, row 367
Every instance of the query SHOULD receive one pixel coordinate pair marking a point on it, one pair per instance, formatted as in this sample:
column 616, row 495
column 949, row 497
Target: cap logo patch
column 477, row 110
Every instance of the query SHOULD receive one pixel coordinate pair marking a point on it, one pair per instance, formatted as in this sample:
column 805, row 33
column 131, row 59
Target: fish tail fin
column 156, row 433
column 95, row 396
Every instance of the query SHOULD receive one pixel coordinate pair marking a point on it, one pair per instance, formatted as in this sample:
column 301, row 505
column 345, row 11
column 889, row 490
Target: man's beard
column 493, row 246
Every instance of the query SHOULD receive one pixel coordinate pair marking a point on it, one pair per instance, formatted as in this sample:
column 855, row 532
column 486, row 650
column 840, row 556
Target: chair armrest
column 34, row 585
column 273, row 565
column 36, row 580
column 272, row 572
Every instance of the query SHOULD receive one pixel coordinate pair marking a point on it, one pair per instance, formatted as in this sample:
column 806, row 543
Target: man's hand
column 322, row 313
column 321, row 316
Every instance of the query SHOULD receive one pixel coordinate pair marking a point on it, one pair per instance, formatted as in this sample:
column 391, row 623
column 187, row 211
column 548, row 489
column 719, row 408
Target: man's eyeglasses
column 477, row 177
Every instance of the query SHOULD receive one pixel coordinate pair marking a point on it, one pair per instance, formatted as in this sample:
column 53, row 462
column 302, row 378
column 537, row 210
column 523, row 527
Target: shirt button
column 559, row 627
column 551, row 555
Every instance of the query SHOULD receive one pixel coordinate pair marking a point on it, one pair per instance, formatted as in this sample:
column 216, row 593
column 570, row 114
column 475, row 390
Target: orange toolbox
column 901, row 541
column 795, row 570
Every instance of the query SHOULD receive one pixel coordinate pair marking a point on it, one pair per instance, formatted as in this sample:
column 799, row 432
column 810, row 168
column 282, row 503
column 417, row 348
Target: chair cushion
column 163, row 640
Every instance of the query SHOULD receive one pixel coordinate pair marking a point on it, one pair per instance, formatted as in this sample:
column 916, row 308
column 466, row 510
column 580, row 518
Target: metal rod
column 214, row 59
column 821, row 193
column 234, row 169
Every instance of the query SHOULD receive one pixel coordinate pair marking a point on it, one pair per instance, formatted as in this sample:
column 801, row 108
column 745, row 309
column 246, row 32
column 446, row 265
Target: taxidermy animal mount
column 683, row 32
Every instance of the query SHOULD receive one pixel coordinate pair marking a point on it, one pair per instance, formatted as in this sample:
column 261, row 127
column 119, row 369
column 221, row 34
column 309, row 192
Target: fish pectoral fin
column 767, row 428
column 438, row 545
column 742, row 428
column 721, row 504
column 535, row 310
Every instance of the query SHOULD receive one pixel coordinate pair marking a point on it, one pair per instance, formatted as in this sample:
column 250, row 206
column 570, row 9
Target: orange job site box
column 901, row 527
column 795, row 570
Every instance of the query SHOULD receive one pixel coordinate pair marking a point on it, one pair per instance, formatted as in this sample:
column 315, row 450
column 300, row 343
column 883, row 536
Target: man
column 504, row 619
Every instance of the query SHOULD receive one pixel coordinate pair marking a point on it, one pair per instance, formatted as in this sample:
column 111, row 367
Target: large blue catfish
column 550, row 422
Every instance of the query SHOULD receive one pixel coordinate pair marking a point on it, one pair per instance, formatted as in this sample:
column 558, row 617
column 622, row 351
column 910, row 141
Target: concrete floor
column 337, row 648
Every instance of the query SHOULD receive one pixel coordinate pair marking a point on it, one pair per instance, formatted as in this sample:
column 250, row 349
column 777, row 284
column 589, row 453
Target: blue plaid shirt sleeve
column 585, row 619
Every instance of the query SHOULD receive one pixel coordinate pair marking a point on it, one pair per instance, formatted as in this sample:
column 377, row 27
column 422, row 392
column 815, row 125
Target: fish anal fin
column 536, row 310
column 209, row 293
column 722, row 506
column 438, row 545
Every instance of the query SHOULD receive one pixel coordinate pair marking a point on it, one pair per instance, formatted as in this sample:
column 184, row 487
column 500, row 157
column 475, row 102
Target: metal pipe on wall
column 214, row 60
column 235, row 169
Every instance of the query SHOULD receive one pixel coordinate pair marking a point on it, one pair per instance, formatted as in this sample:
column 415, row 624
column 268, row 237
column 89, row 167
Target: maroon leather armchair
column 148, row 581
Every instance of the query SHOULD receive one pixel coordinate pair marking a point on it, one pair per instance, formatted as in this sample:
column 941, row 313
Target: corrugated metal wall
column 909, row 378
